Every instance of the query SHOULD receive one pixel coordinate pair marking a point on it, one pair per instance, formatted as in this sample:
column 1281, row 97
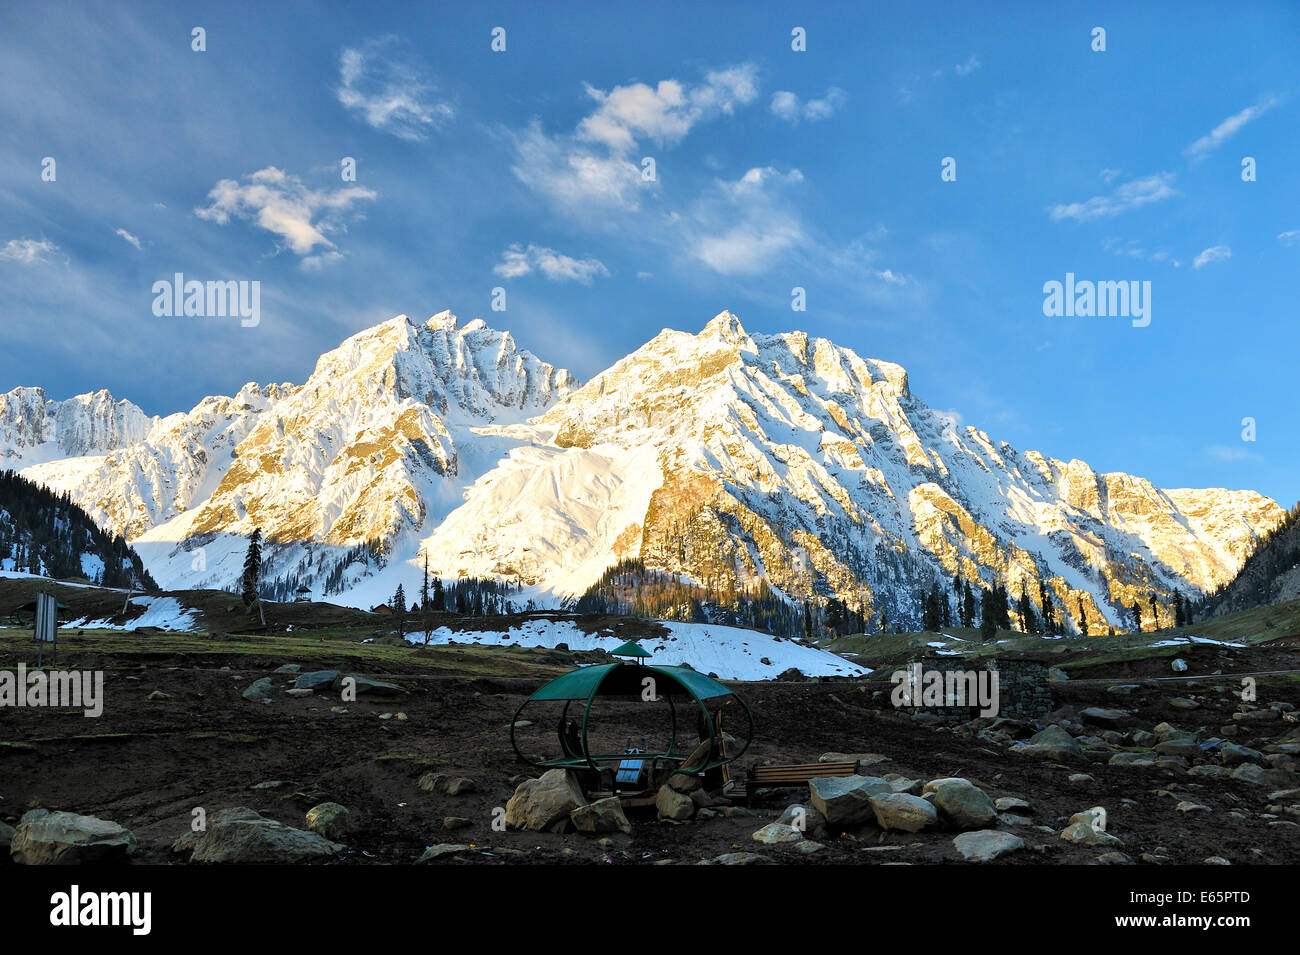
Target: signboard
column 47, row 626
column 47, row 618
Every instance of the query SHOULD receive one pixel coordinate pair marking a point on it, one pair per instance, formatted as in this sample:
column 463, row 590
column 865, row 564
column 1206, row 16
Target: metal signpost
column 47, row 627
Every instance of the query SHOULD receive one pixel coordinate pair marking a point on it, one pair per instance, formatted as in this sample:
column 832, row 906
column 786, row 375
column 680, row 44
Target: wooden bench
column 786, row 777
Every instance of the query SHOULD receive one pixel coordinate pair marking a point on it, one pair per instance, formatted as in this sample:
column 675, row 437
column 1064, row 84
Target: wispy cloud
column 1290, row 237
column 744, row 225
column 128, row 237
column 283, row 205
column 1216, row 253
column 1131, row 195
column 28, row 251
column 1134, row 251
column 1228, row 128
column 787, row 106
column 1229, row 453
column 380, row 83
column 518, row 261
column 970, row 66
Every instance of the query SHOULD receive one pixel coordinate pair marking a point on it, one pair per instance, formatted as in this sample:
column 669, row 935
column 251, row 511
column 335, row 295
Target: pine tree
column 1155, row 612
column 251, row 582
column 988, row 614
column 439, row 598
column 967, row 605
column 1028, row 620
column 1180, row 617
column 1083, row 617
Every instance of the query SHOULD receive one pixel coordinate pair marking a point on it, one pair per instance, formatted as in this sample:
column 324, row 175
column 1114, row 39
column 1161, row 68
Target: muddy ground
column 147, row 764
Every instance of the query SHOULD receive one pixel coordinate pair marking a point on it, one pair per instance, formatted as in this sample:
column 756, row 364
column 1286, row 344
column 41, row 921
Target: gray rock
column 603, row 815
column 261, row 691
column 775, row 833
column 242, row 836
column 456, row 822
column 1232, row 754
column 903, row 812
column 1179, row 665
column 866, row 759
column 985, row 845
column 539, row 804
column 367, row 686
column 317, row 679
column 289, row 669
column 962, row 803
column 1051, row 743
column 845, row 801
column 1250, row 773
column 434, row 853
column 1011, row 804
column 1135, row 760
column 804, row 818
column 65, row 838
column 330, row 820
column 1083, row 834
column 743, row 858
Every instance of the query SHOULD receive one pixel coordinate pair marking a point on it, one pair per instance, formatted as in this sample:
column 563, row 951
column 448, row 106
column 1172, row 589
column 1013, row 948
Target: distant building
column 382, row 608
column 303, row 594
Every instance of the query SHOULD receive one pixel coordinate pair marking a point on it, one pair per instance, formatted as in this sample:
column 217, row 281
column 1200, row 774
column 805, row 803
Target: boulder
column 243, row 836
column 845, row 801
column 1178, row 746
column 985, row 845
column 1106, row 716
column 1083, row 834
column 743, row 858
column 804, row 818
column 1179, row 665
column 330, row 820
column 963, row 803
column 538, row 804
column 317, row 679
column 1135, row 760
column 1250, row 773
column 1012, row 804
column 1051, row 743
column 366, row 686
column 603, row 815
column 903, row 812
column 775, row 833
column 65, row 838
column 261, row 691
column 434, row 853
column 288, row 669
column 1232, row 754
column 671, row 804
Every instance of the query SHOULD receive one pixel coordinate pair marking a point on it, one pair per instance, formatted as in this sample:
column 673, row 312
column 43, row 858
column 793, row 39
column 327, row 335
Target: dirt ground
column 147, row 764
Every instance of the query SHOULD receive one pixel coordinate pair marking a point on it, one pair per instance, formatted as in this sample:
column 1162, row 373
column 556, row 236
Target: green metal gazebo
column 672, row 684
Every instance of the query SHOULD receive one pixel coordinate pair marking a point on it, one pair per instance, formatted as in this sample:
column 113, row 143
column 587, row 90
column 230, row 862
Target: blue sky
column 774, row 169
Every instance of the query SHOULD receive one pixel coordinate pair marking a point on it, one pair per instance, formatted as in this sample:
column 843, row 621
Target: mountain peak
column 724, row 325
column 443, row 321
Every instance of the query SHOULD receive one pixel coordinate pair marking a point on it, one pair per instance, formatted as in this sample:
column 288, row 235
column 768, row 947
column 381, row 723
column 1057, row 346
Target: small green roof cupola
column 630, row 649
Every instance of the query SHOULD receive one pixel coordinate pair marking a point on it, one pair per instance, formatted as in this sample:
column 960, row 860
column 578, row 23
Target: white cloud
column 1226, row 129
column 388, row 91
column 518, row 261
column 283, row 205
column 28, row 251
column 664, row 113
column 598, row 167
column 1216, row 253
column 1109, row 175
column 970, row 66
column 744, row 226
column 786, row 105
column 134, row 240
column 1290, row 237
column 1130, row 195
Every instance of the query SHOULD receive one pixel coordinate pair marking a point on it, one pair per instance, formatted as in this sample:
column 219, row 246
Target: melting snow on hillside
column 730, row 652
column 164, row 613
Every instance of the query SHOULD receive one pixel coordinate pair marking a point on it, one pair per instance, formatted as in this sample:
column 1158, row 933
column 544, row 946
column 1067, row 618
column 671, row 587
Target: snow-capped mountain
column 728, row 457
column 34, row 428
column 722, row 457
